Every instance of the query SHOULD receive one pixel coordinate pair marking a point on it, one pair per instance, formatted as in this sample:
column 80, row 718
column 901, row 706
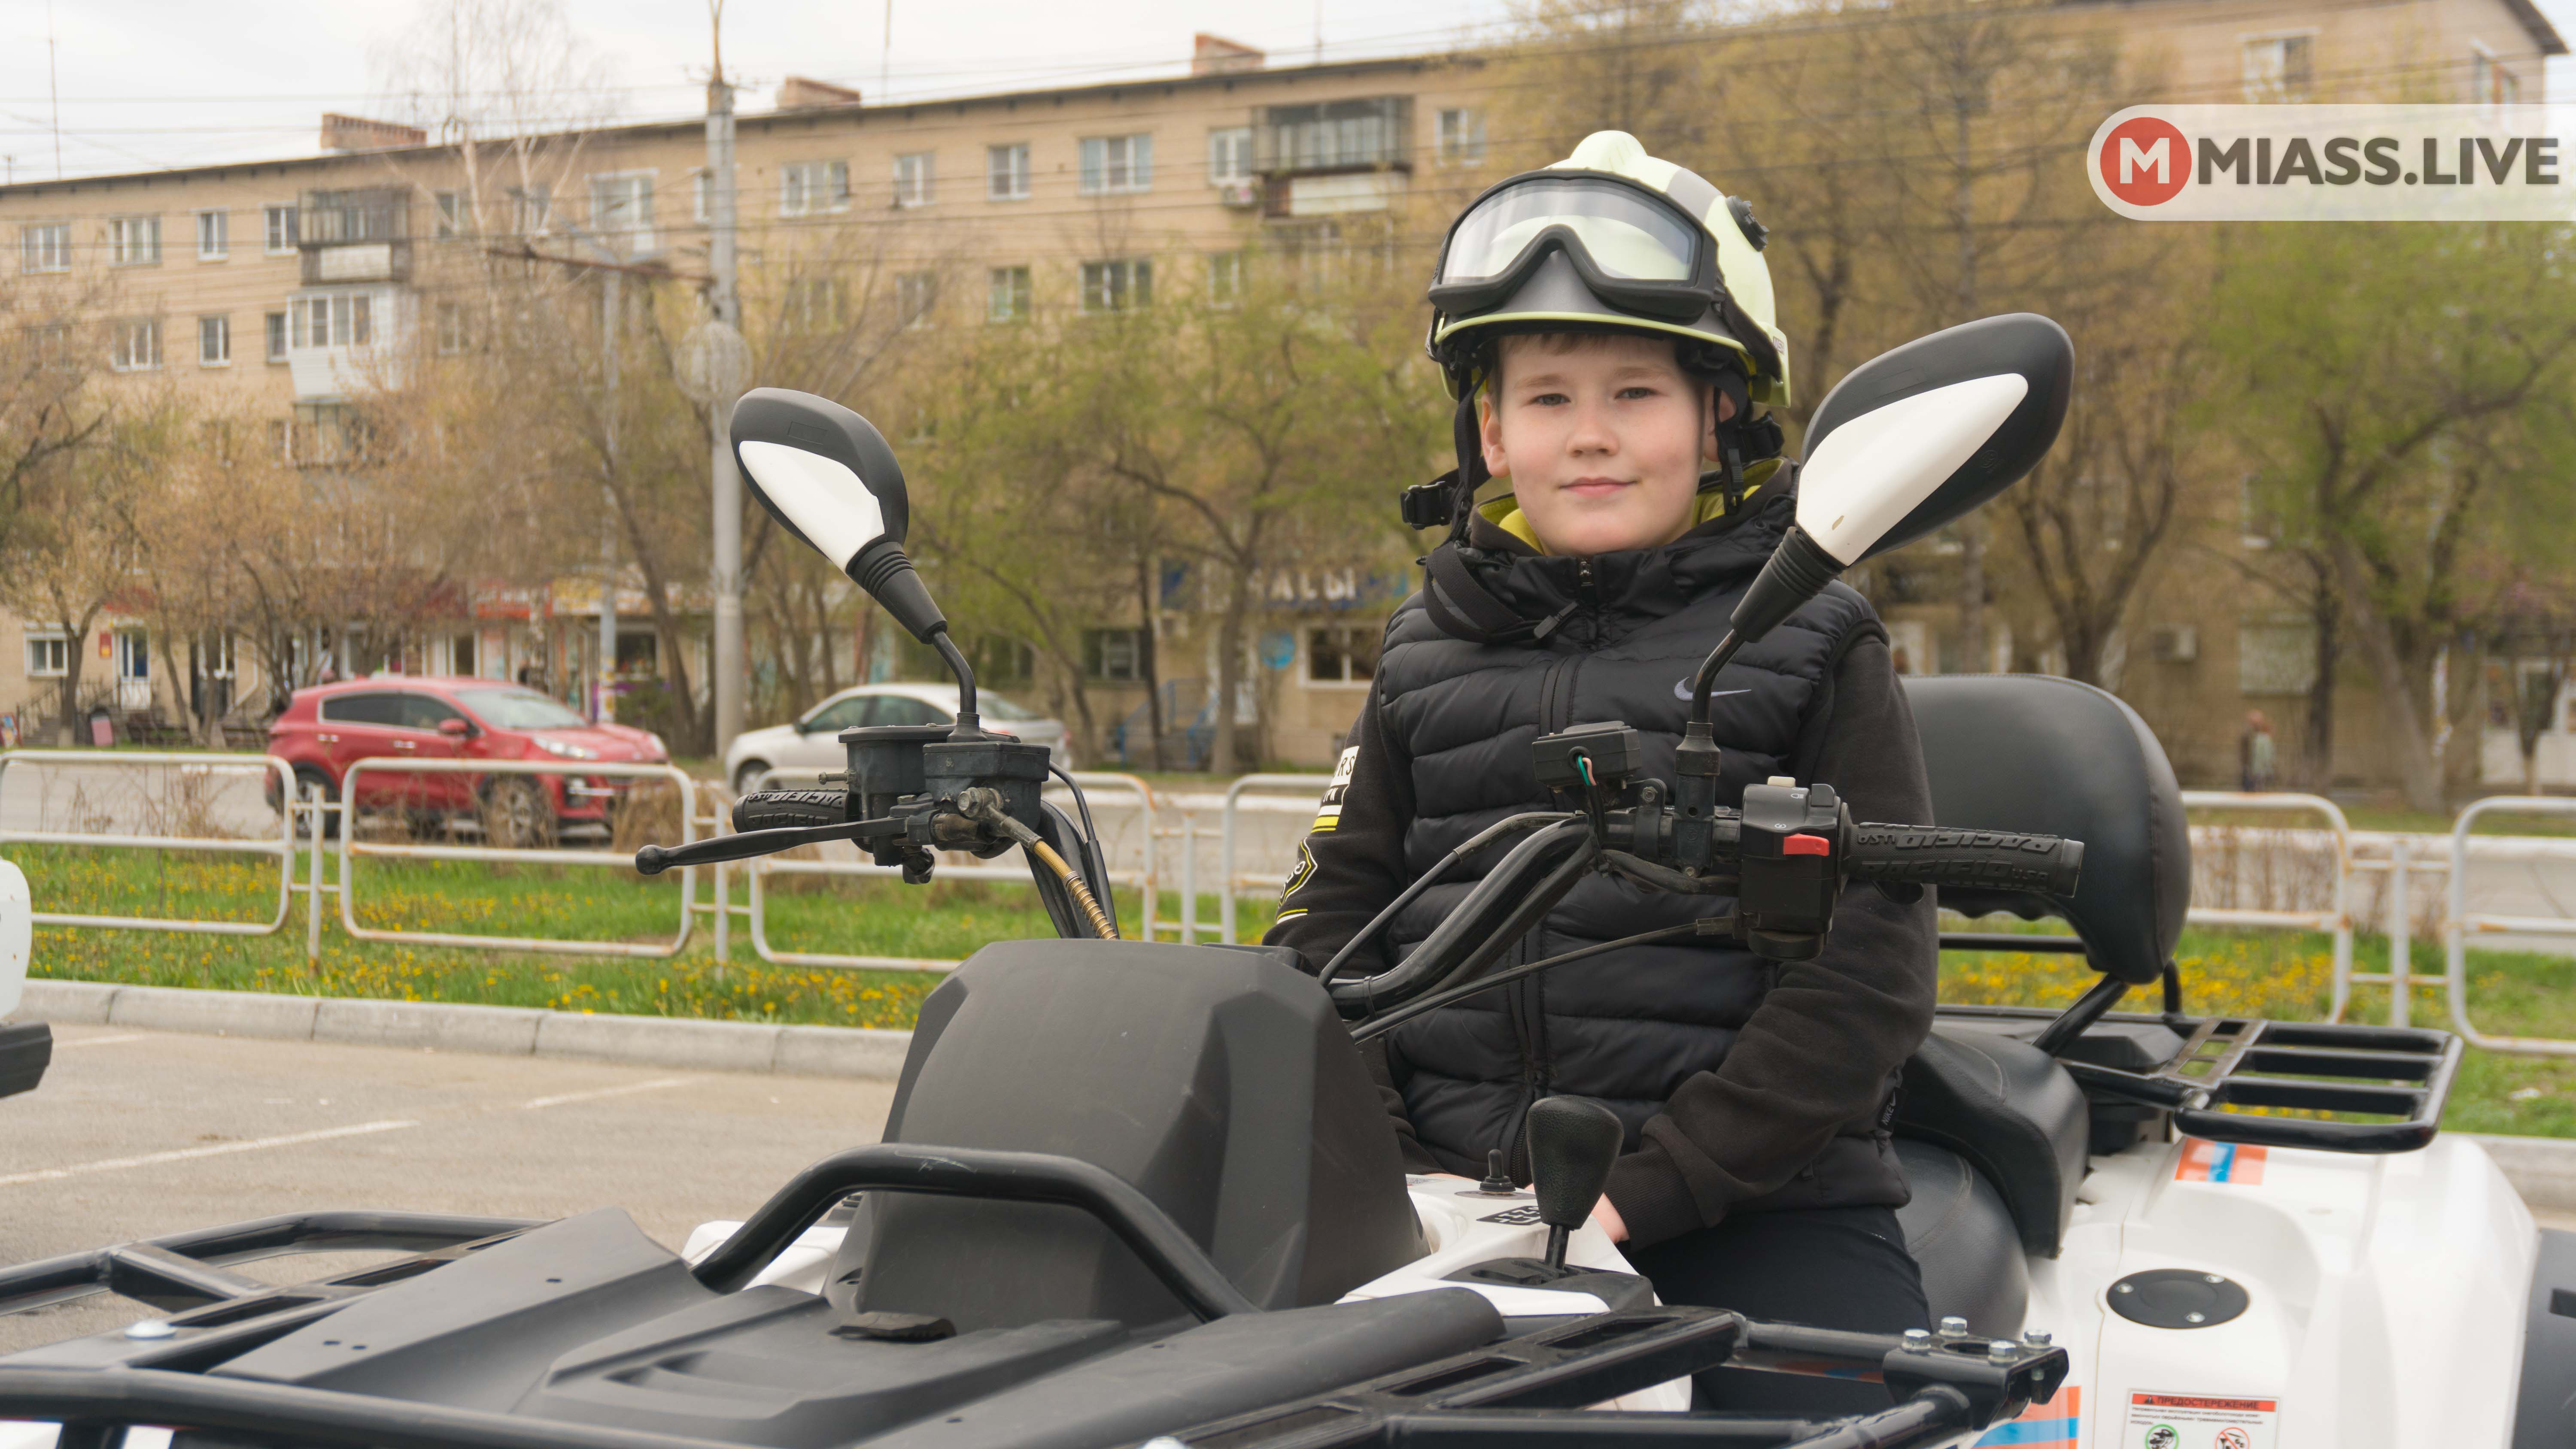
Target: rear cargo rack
column 2235, row 1075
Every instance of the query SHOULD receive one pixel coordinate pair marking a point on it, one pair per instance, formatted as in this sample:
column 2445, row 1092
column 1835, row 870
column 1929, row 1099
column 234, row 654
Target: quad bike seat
column 1993, row 1132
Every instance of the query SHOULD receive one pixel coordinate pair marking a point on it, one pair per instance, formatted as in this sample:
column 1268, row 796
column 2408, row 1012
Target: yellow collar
column 1505, row 512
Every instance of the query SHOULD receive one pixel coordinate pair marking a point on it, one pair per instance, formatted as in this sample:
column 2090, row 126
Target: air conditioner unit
column 2175, row 643
column 1239, row 193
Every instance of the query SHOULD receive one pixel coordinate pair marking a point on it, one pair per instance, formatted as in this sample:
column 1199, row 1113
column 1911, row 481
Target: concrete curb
column 654, row 1041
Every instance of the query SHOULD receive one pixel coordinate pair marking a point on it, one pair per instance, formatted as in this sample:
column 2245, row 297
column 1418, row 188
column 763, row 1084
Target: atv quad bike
column 1132, row 1192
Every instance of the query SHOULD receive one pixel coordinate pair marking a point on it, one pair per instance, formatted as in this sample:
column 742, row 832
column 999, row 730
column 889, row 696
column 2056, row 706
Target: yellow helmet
column 1607, row 237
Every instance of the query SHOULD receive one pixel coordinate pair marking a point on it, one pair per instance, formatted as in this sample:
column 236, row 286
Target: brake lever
column 655, row 859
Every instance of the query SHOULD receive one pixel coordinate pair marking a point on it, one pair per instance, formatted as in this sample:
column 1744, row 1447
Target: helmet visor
column 1624, row 234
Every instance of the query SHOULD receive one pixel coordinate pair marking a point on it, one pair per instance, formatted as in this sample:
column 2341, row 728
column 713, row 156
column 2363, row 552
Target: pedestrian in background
column 2255, row 755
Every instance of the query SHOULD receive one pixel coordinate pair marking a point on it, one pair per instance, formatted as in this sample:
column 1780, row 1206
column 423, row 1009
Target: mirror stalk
column 969, row 727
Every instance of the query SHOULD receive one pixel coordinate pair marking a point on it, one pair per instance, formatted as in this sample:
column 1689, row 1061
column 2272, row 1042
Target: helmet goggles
column 1633, row 247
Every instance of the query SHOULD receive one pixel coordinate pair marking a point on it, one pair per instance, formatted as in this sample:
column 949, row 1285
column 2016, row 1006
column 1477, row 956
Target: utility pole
column 724, row 378
column 612, row 297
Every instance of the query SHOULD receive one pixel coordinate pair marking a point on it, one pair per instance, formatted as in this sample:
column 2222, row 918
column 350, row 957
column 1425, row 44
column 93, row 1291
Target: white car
column 813, row 743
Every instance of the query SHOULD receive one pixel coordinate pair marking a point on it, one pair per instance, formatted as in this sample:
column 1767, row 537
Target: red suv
column 329, row 727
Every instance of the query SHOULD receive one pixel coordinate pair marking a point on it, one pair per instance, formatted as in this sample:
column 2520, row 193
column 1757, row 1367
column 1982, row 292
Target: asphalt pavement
column 137, row 1134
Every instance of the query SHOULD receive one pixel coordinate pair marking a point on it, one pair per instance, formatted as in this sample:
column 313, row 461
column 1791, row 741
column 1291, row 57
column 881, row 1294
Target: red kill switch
column 1806, row 845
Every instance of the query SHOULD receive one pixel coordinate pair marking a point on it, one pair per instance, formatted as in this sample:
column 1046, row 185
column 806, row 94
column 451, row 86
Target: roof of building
column 805, row 117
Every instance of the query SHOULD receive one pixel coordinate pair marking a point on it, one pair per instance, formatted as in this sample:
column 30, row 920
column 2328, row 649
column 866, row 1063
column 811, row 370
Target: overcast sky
column 155, row 83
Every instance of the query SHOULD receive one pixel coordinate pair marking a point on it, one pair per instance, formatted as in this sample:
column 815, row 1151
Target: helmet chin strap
column 1727, row 478
column 1471, row 464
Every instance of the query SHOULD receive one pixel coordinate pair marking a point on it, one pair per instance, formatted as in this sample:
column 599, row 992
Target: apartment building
column 286, row 287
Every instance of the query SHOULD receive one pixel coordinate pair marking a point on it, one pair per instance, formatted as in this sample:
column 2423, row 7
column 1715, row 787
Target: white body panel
column 2387, row 1293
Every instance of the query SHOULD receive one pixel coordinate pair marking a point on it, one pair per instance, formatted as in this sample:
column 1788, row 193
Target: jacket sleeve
column 1350, row 866
column 1823, row 1047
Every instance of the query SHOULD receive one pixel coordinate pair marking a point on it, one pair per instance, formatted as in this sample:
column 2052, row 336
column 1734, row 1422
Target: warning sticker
column 2227, row 1162
column 2200, row 1421
column 2056, row 1424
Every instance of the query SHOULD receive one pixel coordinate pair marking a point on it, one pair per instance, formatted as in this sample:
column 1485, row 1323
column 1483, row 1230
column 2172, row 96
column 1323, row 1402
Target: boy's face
column 1602, row 439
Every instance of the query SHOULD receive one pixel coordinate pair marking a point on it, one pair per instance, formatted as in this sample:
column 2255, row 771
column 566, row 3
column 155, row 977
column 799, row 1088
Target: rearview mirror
column 1927, row 433
column 454, row 728
column 827, row 476
column 1908, row 441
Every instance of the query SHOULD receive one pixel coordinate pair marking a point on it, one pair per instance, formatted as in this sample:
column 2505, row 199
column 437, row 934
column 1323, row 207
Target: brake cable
column 1397, row 1016
column 1431, row 877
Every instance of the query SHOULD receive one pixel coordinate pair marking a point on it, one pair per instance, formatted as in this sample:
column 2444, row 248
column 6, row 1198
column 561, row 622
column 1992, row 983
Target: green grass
column 945, row 921
column 2277, row 974
column 2288, row 976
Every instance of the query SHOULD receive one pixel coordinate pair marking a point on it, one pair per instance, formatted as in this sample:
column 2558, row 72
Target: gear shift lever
column 1572, row 1142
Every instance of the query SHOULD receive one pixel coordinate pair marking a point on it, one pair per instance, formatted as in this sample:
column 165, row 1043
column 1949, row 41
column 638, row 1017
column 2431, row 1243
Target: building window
column 1118, row 285
column 343, row 320
column 532, row 209
column 49, row 656
column 1007, row 295
column 1372, row 132
column 280, row 225
column 915, row 294
column 1341, row 653
column 1225, row 278
column 1006, row 172
column 49, row 347
column 276, row 325
column 912, row 177
column 450, row 207
column 137, row 344
column 1117, row 655
column 810, row 188
column 214, row 342
column 281, row 440
column 1462, row 137
column 1230, row 156
column 816, row 303
column 622, row 205
column 2276, row 657
column 133, row 241
column 2490, row 84
column 452, row 337
column 214, row 235
column 45, row 248
column 2280, row 68
column 702, row 197
column 1113, row 165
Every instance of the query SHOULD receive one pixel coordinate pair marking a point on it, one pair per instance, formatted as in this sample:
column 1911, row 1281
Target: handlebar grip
column 776, row 809
column 1937, row 855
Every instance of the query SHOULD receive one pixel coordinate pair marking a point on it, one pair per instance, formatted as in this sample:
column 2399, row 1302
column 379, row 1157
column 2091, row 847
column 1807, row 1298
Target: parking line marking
column 104, row 1040
column 597, row 1092
column 149, row 1159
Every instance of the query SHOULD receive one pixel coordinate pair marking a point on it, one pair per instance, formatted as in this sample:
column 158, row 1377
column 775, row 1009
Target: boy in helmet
column 1606, row 326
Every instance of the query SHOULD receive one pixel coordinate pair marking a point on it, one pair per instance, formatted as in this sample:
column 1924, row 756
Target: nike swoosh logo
column 1681, row 691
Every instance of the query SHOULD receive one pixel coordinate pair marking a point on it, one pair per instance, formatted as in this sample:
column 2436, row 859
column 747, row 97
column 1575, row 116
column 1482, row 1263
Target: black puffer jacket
column 1744, row 1084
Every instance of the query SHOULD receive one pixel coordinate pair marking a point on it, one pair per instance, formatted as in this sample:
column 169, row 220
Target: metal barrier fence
column 312, row 815
column 283, row 847
column 2461, row 921
column 351, row 850
column 760, row 868
column 2335, row 920
column 1233, row 881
